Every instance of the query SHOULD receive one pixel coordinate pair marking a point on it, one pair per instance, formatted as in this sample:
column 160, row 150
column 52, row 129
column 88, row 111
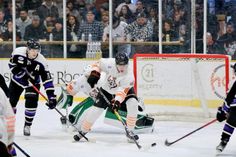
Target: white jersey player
column 118, row 89
column 7, row 120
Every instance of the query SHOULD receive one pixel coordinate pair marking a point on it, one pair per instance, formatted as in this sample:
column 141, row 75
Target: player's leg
column 93, row 114
column 31, row 104
column 228, row 128
column 14, row 94
column 4, row 150
column 132, row 112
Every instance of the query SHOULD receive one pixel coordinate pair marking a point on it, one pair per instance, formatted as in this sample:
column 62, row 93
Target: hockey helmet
column 121, row 59
column 33, row 44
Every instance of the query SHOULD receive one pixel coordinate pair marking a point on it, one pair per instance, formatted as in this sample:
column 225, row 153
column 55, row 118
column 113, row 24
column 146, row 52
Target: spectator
column 90, row 7
column 118, row 34
column 48, row 8
column 131, row 6
column 57, row 34
column 126, row 15
column 8, row 34
column 169, row 35
column 33, row 5
column 230, row 34
column 73, row 11
column 72, row 29
column 35, row 30
column 23, row 21
column 213, row 47
column 49, row 24
column 153, row 16
column 140, row 8
column 90, row 26
column 3, row 22
column 140, row 30
column 105, row 18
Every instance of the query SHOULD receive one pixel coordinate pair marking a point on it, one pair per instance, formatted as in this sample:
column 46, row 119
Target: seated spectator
column 126, row 15
column 213, row 47
column 29, row 4
column 118, row 34
column 153, row 16
column 73, row 11
column 23, row 21
column 48, row 8
column 140, row 30
column 90, row 26
column 105, row 18
column 49, row 24
column 90, row 7
column 140, row 8
column 169, row 35
column 3, row 22
column 230, row 34
column 131, row 6
column 57, row 35
column 36, row 30
column 72, row 29
column 8, row 34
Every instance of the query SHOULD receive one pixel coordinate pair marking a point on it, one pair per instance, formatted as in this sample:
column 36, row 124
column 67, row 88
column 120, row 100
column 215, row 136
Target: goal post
column 191, row 80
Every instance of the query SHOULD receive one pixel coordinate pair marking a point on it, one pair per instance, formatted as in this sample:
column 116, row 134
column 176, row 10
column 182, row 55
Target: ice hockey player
column 28, row 66
column 227, row 112
column 7, row 126
column 144, row 123
column 118, row 89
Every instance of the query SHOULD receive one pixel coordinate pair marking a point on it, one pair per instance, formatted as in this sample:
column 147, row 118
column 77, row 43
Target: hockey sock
column 91, row 117
column 132, row 111
column 29, row 115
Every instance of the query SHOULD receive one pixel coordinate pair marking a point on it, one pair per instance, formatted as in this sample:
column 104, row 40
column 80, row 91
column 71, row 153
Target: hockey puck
column 154, row 144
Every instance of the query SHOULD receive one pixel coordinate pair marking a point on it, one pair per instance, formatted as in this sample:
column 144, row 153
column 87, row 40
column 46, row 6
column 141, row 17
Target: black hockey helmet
column 121, row 58
column 33, row 44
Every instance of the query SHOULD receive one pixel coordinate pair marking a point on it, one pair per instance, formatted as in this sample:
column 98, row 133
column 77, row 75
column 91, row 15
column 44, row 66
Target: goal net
column 182, row 86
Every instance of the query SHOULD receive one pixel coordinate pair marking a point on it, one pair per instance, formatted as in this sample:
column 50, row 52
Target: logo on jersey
column 112, row 82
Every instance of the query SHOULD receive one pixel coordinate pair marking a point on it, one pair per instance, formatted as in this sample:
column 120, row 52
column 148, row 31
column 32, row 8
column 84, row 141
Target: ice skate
column 221, row 146
column 13, row 152
column 131, row 136
column 78, row 136
column 27, row 130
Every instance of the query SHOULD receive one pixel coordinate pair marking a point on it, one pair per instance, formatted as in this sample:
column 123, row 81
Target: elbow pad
column 93, row 78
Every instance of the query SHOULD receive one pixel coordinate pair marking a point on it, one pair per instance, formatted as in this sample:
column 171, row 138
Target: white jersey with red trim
column 7, row 120
column 115, row 82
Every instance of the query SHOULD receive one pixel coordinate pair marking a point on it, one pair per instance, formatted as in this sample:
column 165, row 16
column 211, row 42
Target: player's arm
column 94, row 75
column 49, row 87
column 122, row 92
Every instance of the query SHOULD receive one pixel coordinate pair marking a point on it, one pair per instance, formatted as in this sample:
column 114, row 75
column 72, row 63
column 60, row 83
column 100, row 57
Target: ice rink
column 49, row 139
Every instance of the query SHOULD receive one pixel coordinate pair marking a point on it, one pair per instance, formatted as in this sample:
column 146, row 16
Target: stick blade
column 167, row 143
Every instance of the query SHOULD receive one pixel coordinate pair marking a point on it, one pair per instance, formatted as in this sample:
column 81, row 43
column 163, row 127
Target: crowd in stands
column 132, row 21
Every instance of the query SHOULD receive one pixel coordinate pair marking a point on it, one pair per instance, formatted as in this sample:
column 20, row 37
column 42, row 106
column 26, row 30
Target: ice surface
column 49, row 139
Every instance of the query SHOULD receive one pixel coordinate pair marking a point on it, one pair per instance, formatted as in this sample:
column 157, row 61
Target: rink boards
column 177, row 87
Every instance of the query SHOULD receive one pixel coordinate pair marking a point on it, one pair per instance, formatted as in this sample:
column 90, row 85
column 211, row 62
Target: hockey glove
column 221, row 115
column 115, row 106
column 52, row 102
column 93, row 78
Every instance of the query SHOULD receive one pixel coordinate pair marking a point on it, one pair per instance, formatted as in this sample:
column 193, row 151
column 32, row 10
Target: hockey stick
column 22, row 151
column 36, row 89
column 124, row 124
column 167, row 143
